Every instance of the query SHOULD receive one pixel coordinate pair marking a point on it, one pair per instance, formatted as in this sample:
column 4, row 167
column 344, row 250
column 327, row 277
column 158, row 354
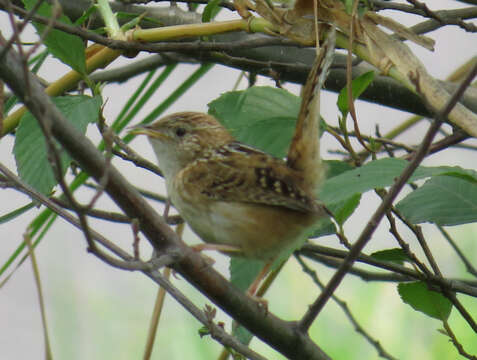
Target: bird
column 238, row 199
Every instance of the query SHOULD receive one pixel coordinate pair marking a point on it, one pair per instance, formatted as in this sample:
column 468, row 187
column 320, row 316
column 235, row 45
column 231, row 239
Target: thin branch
column 438, row 18
column 458, row 285
column 115, row 216
column 366, row 234
column 448, row 17
column 36, row 273
column 456, row 343
column 442, row 20
column 451, row 140
column 468, row 265
column 280, row 334
column 445, row 290
column 146, row 193
column 344, row 306
column 130, row 155
column 225, row 4
column 128, row 263
column 216, row 332
column 130, row 46
column 42, row 199
column 156, row 314
column 405, row 246
column 158, row 306
column 364, row 275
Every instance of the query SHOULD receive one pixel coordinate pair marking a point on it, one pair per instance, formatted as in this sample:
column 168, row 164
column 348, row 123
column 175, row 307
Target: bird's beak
column 147, row 130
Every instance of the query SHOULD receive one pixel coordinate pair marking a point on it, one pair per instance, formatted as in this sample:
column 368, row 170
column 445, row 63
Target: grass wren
column 237, row 198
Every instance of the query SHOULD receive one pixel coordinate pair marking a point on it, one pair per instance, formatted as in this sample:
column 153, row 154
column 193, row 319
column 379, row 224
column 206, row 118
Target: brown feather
column 242, row 174
column 304, row 151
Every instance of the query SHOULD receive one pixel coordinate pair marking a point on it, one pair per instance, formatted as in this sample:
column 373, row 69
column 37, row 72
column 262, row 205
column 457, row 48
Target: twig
column 146, row 193
column 36, row 274
column 18, row 30
column 456, row 343
column 405, row 246
column 128, row 263
column 359, row 329
column 444, row 289
column 225, row 4
column 462, row 286
column 280, row 334
column 449, row 141
column 436, row 16
column 135, row 158
column 156, row 314
column 355, row 270
column 163, row 46
column 468, row 265
column 215, row 331
column 366, row 234
column 349, row 79
column 115, row 216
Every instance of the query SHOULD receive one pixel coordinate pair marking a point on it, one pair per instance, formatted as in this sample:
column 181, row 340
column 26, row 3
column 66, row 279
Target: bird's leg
column 252, row 289
column 226, row 249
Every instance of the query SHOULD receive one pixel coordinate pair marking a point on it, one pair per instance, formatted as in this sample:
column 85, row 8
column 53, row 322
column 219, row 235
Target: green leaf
column 66, row 47
column 420, row 298
column 211, row 10
column 336, row 167
column 131, row 20
column 30, row 148
column 203, row 331
column 15, row 213
column 342, row 210
column 86, row 15
column 444, row 200
column 395, row 255
column 376, row 174
column 358, row 85
column 348, row 6
column 242, row 334
column 263, row 117
column 325, row 227
column 244, row 271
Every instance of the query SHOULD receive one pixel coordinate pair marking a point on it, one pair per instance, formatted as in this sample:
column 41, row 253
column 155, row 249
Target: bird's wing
column 240, row 173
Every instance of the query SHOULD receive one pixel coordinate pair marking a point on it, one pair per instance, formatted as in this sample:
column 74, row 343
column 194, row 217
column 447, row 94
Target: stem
column 67, row 82
column 112, row 27
column 195, row 30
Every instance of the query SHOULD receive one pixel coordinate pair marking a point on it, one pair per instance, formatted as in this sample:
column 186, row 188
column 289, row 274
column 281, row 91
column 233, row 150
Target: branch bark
column 282, row 61
column 281, row 335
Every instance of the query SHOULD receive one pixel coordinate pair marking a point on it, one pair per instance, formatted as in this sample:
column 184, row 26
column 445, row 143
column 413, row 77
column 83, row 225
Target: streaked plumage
column 232, row 194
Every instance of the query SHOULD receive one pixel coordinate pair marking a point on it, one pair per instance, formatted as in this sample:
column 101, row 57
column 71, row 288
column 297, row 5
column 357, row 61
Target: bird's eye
column 180, row 131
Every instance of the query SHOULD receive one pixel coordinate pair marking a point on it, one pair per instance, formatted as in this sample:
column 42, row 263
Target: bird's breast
column 260, row 231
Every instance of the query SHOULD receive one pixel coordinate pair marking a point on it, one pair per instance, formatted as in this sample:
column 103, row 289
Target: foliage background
column 96, row 311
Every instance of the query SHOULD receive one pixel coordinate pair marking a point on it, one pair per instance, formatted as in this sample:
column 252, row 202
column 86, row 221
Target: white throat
column 167, row 157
